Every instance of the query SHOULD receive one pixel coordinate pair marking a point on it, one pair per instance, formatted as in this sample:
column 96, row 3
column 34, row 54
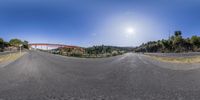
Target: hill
column 175, row 43
column 94, row 51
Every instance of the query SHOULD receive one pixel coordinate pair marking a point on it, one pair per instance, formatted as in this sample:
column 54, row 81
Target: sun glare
column 130, row 31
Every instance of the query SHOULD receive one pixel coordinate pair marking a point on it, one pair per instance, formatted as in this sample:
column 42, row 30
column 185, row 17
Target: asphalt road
column 43, row 76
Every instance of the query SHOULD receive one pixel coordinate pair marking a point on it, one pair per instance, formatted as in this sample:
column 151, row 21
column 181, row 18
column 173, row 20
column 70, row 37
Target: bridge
column 48, row 46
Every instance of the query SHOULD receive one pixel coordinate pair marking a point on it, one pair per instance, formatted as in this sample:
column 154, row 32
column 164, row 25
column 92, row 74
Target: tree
column 1, row 44
column 177, row 33
column 166, row 45
column 175, row 43
column 1, row 41
column 195, row 41
column 25, row 43
column 15, row 42
column 188, row 44
column 178, row 42
column 6, row 44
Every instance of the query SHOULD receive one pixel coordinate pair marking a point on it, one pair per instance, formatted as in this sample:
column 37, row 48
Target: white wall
column 43, row 47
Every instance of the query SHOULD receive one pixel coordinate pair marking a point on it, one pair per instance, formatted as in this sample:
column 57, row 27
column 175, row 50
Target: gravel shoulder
column 171, row 64
column 8, row 58
column 178, row 58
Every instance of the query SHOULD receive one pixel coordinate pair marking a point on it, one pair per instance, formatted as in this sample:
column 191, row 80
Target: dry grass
column 195, row 59
column 10, row 57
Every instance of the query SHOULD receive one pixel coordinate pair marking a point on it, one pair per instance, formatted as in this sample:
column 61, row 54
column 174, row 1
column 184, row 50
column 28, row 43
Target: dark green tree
column 195, row 40
column 25, row 43
column 1, row 44
column 175, row 43
column 15, row 42
column 177, row 33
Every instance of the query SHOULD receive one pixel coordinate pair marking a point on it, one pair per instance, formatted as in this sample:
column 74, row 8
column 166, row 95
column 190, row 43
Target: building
column 46, row 46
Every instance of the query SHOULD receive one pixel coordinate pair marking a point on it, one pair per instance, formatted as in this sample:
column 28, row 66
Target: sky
column 96, row 22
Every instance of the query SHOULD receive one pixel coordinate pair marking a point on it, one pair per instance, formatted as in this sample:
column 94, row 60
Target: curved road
column 42, row 76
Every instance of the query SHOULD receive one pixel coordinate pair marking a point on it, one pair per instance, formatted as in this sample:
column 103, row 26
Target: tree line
column 175, row 43
column 106, row 50
column 94, row 51
column 13, row 42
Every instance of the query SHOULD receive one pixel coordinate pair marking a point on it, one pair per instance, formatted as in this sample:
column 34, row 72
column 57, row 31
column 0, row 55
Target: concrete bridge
column 48, row 46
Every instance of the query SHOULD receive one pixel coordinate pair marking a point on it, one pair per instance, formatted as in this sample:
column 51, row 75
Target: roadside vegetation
column 106, row 51
column 13, row 44
column 175, row 44
column 93, row 52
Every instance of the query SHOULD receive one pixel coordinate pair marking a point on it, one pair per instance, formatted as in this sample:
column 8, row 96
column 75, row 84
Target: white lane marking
column 142, row 59
column 121, row 58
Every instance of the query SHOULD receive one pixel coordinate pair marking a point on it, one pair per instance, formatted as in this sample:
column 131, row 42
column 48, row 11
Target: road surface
column 42, row 76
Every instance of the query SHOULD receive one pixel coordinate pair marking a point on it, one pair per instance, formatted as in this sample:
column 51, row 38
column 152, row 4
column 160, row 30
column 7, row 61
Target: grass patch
column 195, row 59
column 10, row 57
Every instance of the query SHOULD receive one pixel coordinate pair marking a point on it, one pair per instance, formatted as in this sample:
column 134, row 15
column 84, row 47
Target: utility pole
column 20, row 48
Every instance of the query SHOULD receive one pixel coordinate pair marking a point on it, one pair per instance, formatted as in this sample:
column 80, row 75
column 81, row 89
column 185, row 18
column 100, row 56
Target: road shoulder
column 172, row 66
column 9, row 58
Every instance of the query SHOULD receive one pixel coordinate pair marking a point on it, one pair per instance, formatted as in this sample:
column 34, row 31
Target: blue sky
column 95, row 22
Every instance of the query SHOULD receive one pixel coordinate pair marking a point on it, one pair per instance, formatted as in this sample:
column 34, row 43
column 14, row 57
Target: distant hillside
column 95, row 51
column 175, row 43
column 109, row 50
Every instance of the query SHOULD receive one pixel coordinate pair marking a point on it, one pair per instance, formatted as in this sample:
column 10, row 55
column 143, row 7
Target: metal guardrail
column 189, row 54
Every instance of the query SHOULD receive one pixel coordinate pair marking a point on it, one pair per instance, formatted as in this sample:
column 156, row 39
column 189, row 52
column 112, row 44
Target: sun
column 130, row 30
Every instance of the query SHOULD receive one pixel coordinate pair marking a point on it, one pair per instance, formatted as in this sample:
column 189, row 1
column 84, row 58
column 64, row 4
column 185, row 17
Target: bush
column 76, row 55
column 114, row 53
